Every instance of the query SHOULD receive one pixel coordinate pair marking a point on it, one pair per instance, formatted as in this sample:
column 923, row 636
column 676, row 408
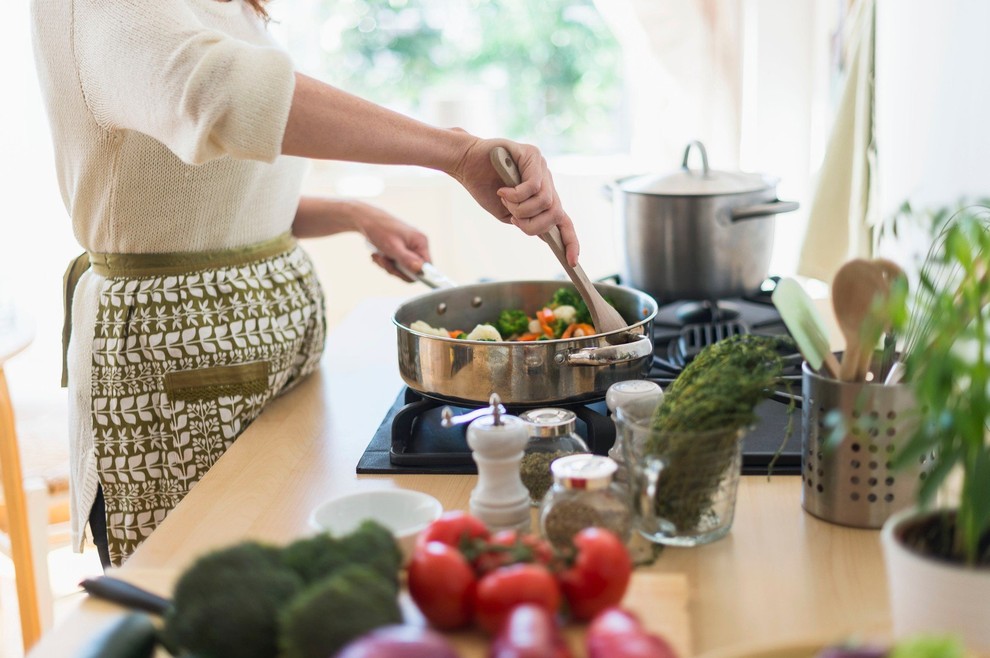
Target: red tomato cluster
column 461, row 574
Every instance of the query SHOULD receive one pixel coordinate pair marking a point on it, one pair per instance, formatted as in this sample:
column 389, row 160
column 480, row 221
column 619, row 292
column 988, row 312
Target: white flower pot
column 927, row 595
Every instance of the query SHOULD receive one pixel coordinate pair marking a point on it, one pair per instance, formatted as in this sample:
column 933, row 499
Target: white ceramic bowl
column 402, row 511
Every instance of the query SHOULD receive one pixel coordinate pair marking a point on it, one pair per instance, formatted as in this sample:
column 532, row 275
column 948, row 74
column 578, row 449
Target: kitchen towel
column 845, row 206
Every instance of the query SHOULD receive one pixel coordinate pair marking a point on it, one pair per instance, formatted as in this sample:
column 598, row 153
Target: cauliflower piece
column 534, row 327
column 566, row 313
column 424, row 328
column 484, row 332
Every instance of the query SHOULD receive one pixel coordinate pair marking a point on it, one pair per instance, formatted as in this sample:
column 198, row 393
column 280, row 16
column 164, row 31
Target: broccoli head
column 569, row 297
column 335, row 610
column 512, row 322
column 370, row 544
column 565, row 297
column 227, row 603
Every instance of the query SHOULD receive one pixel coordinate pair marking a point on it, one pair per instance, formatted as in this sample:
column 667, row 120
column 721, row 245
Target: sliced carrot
column 528, row 336
column 570, row 330
column 579, row 329
column 455, row 333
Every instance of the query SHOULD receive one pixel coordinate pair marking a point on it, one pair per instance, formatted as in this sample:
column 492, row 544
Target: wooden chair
column 19, row 499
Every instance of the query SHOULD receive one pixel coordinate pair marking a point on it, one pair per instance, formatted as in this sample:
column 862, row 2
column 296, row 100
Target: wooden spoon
column 605, row 318
column 854, row 289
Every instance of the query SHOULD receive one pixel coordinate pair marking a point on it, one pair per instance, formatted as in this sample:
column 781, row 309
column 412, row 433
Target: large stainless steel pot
column 694, row 234
column 538, row 372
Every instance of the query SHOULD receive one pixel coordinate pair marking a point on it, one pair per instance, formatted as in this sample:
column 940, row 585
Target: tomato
column 442, row 584
column 529, row 632
column 452, row 528
column 507, row 547
column 599, row 575
column 616, row 633
column 503, row 589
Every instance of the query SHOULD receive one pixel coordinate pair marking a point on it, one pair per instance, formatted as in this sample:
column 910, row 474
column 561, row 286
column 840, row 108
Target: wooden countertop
column 780, row 574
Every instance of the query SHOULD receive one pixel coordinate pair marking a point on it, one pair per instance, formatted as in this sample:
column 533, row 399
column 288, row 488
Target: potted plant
column 938, row 553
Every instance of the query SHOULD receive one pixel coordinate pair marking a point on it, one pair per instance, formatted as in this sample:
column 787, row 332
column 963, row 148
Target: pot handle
column 704, row 157
column 606, row 355
column 775, row 207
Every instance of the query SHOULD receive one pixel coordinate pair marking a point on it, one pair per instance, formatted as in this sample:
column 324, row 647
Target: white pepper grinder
column 497, row 442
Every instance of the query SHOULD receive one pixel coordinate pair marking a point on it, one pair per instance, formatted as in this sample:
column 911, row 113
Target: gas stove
column 411, row 439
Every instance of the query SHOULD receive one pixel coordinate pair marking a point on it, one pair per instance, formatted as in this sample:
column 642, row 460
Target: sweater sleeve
column 155, row 68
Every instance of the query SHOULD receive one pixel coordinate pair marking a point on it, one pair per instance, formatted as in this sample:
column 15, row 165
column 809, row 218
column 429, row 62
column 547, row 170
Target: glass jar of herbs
column 584, row 495
column 552, row 434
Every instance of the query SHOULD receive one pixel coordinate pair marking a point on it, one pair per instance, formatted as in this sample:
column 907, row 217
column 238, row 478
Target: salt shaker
column 622, row 393
column 497, row 441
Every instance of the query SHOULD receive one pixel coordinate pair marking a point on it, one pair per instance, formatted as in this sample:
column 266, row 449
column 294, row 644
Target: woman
column 174, row 123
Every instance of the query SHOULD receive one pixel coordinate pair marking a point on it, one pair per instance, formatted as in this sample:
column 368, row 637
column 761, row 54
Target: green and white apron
column 187, row 350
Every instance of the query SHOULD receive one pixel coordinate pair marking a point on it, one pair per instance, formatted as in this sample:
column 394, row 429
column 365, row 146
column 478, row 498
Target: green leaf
column 944, row 463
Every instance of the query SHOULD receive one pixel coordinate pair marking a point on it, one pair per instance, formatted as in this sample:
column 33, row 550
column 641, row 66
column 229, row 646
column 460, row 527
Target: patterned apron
column 187, row 351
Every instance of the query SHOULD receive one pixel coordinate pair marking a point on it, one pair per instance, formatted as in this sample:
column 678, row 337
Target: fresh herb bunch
column 721, row 387
column 701, row 419
column 948, row 368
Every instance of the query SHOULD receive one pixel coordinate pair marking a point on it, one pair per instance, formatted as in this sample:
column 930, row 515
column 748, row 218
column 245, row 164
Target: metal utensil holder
column 851, row 482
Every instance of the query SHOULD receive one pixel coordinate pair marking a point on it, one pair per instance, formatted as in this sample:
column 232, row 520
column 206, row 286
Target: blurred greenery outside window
column 548, row 72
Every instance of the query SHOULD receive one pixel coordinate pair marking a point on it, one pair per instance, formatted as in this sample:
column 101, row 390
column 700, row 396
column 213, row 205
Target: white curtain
column 684, row 69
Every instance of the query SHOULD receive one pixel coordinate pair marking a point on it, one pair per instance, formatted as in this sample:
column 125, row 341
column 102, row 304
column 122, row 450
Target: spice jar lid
column 625, row 392
column 583, row 471
column 549, row 422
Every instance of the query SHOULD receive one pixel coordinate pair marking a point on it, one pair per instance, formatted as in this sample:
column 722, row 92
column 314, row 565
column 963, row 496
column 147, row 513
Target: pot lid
column 696, row 182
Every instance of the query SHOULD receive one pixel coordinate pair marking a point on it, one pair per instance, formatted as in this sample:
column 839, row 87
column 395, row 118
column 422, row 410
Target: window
column 547, row 72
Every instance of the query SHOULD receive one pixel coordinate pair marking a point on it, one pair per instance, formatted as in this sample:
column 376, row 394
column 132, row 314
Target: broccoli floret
column 512, row 322
column 558, row 327
column 335, row 610
column 227, row 603
column 569, row 297
column 322, row 555
column 565, row 297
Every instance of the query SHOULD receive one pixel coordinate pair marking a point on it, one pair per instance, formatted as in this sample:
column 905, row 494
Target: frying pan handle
column 607, row 355
column 775, row 207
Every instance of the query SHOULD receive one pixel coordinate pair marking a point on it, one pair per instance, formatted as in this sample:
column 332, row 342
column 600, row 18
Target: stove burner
column 696, row 337
column 705, row 312
column 419, row 438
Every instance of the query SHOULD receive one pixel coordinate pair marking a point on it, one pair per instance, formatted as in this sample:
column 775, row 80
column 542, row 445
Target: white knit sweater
column 167, row 118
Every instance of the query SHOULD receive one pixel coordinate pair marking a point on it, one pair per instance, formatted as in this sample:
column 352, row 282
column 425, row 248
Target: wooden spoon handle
column 604, row 317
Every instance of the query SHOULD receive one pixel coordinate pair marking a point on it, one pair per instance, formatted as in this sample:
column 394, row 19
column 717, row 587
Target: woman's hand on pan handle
column 327, row 123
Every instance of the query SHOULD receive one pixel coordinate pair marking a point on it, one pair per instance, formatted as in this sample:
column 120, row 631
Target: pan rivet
column 476, row 302
column 441, row 308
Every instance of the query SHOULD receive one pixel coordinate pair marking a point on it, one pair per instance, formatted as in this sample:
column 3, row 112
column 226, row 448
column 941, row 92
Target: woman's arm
column 330, row 124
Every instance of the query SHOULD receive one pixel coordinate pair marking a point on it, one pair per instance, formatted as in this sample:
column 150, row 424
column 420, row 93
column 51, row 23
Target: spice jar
column 553, row 434
column 583, row 495
column 622, row 393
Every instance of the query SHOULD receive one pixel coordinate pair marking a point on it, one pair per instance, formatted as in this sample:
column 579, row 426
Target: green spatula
column 805, row 324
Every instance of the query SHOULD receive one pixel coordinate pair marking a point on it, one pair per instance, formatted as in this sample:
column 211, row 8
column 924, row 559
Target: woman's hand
column 533, row 205
column 393, row 239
